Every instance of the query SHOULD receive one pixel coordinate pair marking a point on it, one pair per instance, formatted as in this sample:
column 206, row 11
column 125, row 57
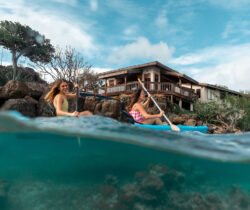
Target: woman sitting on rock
column 137, row 110
column 58, row 96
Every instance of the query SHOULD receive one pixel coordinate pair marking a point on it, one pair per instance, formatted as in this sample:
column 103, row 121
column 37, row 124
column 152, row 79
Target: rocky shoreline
column 28, row 99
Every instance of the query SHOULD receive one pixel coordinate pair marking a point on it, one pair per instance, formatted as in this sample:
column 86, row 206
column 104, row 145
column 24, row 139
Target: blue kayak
column 202, row 129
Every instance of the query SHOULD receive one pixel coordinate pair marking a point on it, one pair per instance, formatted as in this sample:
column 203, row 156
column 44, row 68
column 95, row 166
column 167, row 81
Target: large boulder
column 108, row 108
column 36, row 90
column 45, row 109
column 25, row 106
column 72, row 104
column 90, row 103
column 14, row 89
column 191, row 122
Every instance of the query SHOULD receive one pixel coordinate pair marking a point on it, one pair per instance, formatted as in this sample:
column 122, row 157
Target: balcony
column 166, row 88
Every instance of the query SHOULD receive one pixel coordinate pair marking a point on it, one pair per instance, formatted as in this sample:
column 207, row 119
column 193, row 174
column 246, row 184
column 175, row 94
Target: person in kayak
column 137, row 110
column 58, row 96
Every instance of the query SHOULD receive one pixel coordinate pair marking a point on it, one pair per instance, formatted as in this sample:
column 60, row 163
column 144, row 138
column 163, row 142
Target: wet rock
column 173, row 180
column 90, row 103
column 125, row 99
column 35, row 89
column 190, row 122
column 178, row 120
column 239, row 199
column 72, row 104
column 98, row 108
column 14, row 89
column 45, row 109
column 215, row 129
column 23, row 105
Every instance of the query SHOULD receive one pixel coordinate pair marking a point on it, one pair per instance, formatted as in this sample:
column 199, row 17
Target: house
column 207, row 92
column 157, row 78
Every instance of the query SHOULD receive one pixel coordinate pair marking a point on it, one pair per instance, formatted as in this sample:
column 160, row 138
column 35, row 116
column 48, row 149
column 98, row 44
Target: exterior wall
column 207, row 94
column 152, row 71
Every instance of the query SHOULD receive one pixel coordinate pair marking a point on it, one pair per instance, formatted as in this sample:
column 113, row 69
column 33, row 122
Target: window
column 111, row 83
column 156, row 80
column 198, row 92
column 147, row 79
column 210, row 94
column 222, row 94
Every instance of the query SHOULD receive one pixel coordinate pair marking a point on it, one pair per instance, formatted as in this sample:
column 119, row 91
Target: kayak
column 202, row 129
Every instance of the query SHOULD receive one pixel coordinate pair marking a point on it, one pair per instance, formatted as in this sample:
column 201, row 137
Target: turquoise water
column 99, row 163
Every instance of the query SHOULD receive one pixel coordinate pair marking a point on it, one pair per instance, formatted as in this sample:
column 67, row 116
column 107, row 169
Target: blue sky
column 208, row 40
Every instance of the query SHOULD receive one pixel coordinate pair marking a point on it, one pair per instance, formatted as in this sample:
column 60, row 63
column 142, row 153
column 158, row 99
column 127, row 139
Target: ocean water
column 100, row 163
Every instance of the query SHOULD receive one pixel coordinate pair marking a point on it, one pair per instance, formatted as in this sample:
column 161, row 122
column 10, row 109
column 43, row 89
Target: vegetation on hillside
column 232, row 112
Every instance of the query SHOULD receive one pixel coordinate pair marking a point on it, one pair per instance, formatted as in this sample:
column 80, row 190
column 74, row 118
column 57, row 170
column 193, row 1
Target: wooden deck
column 165, row 88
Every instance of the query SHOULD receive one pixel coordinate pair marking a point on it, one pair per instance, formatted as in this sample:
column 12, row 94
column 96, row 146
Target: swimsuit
column 136, row 115
column 65, row 105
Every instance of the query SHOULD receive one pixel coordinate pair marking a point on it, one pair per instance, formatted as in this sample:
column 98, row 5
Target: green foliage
column 23, row 41
column 232, row 112
column 175, row 109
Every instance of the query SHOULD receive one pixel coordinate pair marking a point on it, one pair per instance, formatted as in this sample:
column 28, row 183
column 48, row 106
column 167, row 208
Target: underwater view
column 100, row 163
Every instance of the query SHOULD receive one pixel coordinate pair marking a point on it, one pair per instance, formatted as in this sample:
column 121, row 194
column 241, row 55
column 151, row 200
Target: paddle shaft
column 155, row 102
column 77, row 91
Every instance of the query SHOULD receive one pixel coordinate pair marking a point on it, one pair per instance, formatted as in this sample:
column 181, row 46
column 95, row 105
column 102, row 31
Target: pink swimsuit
column 136, row 115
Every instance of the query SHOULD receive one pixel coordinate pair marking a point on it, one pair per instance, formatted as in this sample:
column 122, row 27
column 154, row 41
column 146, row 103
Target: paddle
column 77, row 97
column 77, row 90
column 173, row 127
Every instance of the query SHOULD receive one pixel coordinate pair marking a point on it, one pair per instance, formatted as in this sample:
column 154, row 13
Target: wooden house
column 157, row 78
column 207, row 92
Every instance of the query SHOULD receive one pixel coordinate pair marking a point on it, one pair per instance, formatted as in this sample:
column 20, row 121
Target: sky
column 208, row 40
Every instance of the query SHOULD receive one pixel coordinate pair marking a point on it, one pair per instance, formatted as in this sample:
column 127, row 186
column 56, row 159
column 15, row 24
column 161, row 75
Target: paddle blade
column 175, row 128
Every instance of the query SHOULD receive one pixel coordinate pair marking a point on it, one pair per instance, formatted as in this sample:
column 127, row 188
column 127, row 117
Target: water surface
column 100, row 163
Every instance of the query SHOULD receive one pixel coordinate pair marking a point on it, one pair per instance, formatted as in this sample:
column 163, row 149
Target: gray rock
column 14, row 89
column 23, row 105
column 45, row 109
column 72, row 104
column 36, row 90
column 90, row 103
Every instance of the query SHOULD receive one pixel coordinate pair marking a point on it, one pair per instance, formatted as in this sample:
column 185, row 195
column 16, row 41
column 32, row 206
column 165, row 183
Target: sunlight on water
column 99, row 163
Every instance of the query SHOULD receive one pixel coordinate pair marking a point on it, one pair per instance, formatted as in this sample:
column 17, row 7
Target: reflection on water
column 45, row 170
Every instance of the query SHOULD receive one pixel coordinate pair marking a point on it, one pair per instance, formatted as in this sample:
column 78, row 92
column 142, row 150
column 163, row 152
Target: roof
column 219, row 88
column 125, row 70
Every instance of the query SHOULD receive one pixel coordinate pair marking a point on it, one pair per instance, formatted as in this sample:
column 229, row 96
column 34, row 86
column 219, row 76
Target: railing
column 155, row 87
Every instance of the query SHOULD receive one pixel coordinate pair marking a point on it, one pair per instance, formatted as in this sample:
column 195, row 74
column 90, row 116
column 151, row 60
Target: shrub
column 232, row 112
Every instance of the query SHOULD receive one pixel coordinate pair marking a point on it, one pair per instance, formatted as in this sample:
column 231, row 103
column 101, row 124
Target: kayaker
column 137, row 110
column 58, row 96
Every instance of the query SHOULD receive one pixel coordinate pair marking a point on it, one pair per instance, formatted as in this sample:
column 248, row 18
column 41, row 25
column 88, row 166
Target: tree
column 64, row 64
column 21, row 40
column 89, row 79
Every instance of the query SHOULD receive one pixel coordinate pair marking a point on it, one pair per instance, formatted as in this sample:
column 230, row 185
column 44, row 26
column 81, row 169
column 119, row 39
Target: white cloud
column 100, row 70
column 70, row 2
column 141, row 49
column 131, row 30
column 4, row 63
column 237, row 27
column 231, row 4
column 162, row 20
column 60, row 28
column 224, row 65
column 94, row 5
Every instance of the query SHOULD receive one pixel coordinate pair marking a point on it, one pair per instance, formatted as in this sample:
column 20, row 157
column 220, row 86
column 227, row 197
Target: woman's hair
column 54, row 90
column 134, row 99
